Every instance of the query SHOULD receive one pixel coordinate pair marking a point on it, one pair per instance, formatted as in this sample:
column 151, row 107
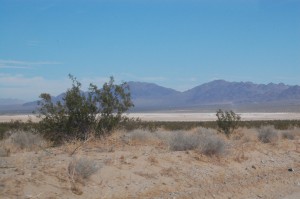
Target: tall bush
column 79, row 113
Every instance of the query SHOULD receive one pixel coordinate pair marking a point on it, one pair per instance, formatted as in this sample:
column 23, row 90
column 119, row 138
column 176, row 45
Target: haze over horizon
column 176, row 44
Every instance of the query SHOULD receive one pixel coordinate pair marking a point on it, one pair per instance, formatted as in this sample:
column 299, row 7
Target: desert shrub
column 181, row 141
column 78, row 113
column 288, row 135
column 267, row 134
column 203, row 140
column 140, row 135
column 227, row 121
column 26, row 140
column 82, row 168
column 15, row 125
column 212, row 145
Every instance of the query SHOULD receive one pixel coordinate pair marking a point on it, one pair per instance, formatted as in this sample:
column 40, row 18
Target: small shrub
column 227, row 121
column 82, row 168
column 203, row 140
column 140, row 135
column 288, row 135
column 26, row 140
column 212, row 145
column 267, row 134
column 181, row 141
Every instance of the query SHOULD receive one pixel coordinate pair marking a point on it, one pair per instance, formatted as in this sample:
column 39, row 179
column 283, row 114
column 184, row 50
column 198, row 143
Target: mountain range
column 239, row 96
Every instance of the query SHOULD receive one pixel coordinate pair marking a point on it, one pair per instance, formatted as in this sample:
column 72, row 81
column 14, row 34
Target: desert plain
column 151, row 164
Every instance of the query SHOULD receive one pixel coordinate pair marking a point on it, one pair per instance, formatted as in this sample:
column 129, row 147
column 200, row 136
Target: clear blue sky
column 174, row 43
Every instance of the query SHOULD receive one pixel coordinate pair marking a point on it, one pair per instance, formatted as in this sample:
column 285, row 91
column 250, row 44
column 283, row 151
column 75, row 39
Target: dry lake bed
column 180, row 116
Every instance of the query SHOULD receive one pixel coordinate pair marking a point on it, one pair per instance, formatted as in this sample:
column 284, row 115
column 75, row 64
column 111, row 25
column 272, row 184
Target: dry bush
column 26, row 140
column 202, row 140
column 288, row 135
column 212, row 145
column 140, row 135
column 82, row 168
column 268, row 134
column 181, row 141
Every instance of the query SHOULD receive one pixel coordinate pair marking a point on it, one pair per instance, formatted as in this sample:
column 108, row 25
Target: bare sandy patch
column 130, row 165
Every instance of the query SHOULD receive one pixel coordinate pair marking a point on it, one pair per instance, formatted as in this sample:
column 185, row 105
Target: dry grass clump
column 140, row 135
column 82, row 168
column 212, row 145
column 288, row 135
column 182, row 141
column 25, row 140
column 202, row 140
column 268, row 134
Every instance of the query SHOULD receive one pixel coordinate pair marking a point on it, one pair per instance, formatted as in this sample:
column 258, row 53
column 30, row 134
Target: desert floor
column 180, row 116
column 140, row 164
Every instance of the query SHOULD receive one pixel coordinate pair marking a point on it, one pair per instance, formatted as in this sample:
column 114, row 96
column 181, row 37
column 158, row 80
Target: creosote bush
column 267, row 134
column 78, row 113
column 227, row 121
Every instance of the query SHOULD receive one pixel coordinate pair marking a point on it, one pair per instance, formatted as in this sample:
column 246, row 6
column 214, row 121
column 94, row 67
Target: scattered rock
column 253, row 167
column 291, row 170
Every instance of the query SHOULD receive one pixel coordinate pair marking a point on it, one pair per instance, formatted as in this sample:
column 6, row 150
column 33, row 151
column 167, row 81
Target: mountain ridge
column 217, row 93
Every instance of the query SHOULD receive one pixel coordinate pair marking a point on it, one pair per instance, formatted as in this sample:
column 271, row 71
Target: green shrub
column 227, row 121
column 78, row 113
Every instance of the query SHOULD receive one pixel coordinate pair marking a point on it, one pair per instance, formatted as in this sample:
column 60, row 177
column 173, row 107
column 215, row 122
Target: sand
column 146, row 168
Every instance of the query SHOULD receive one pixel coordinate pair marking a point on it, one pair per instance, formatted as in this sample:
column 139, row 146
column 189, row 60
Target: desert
column 155, row 164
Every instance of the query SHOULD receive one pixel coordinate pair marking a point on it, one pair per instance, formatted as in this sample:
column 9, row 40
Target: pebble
column 291, row 170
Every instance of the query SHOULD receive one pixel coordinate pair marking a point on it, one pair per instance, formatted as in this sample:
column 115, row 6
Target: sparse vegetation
column 227, row 121
column 267, row 134
column 26, row 140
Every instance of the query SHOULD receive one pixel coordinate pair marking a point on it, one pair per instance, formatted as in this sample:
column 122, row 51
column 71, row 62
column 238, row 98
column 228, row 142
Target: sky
column 174, row 43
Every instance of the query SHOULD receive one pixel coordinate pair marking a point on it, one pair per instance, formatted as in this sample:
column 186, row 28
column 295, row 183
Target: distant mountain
column 218, row 93
column 149, row 95
column 240, row 96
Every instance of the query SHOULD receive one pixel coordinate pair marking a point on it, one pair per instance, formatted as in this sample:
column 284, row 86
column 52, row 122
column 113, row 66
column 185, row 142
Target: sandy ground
column 180, row 116
column 139, row 167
